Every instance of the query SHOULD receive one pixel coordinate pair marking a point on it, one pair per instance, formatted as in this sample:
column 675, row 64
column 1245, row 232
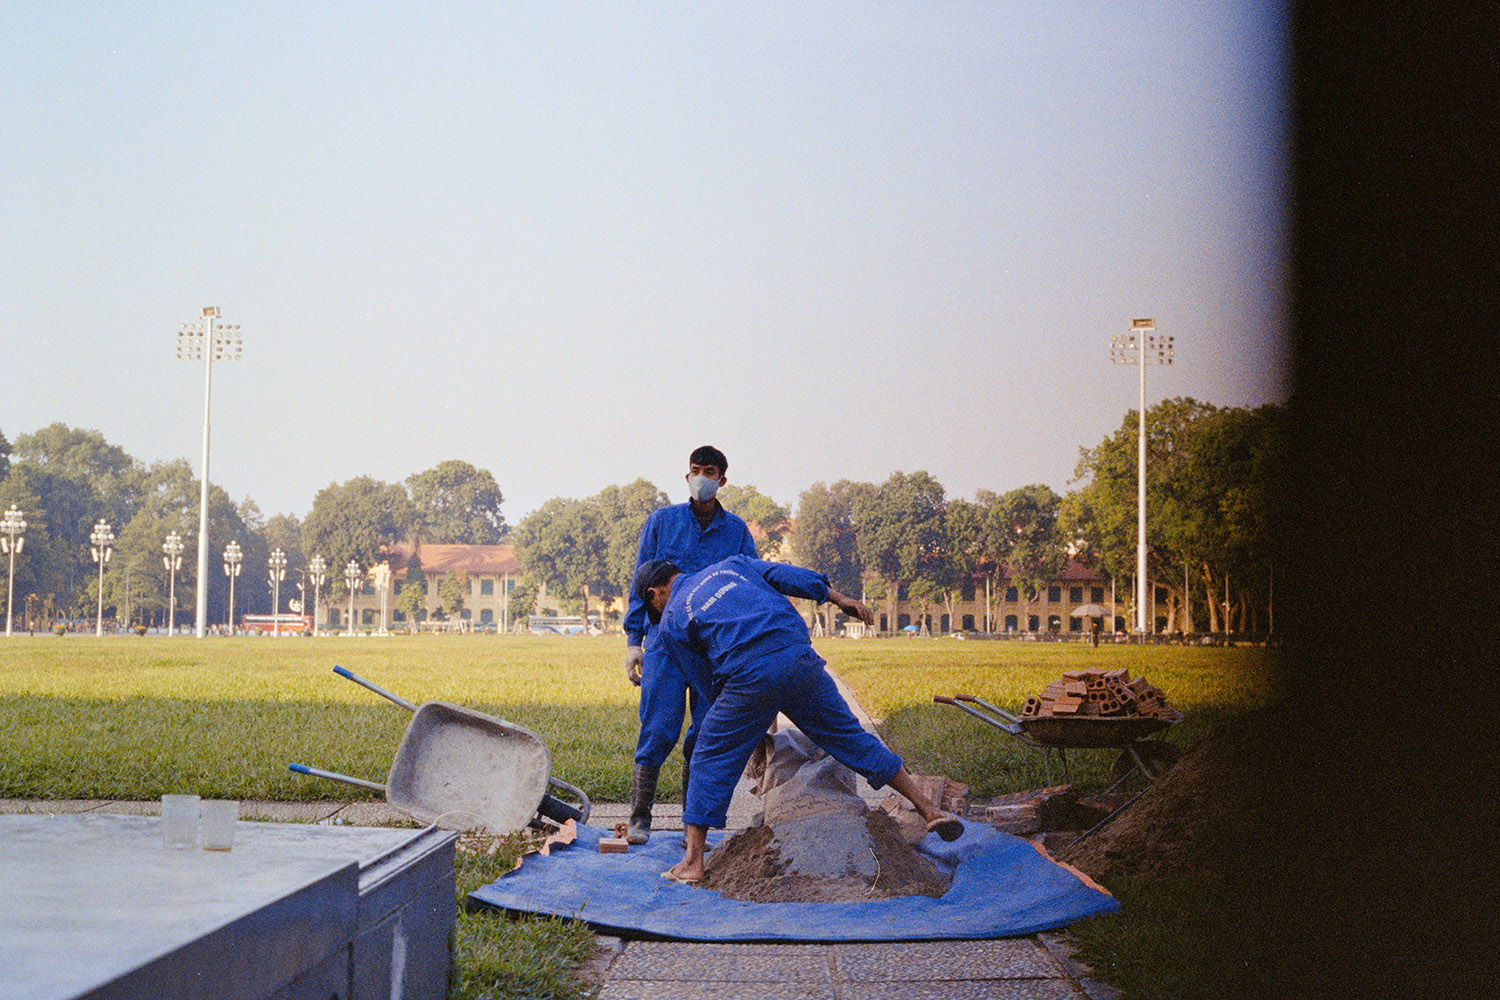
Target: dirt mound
column 749, row 867
column 1198, row 817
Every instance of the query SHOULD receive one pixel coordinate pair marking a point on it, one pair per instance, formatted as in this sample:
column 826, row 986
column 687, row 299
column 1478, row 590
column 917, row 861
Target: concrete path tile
column 1006, row 958
column 691, row 962
column 653, row 990
column 991, row 989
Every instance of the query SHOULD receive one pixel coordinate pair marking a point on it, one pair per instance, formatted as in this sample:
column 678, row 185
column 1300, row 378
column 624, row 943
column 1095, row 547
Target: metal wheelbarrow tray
column 461, row 769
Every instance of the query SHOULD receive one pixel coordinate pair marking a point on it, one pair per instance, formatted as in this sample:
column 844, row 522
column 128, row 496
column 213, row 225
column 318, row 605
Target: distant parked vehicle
column 277, row 624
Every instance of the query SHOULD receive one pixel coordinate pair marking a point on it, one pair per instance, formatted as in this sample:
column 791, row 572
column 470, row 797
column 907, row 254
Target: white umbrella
column 1090, row 611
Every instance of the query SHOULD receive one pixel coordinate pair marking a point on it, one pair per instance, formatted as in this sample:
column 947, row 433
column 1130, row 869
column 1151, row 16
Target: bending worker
column 691, row 535
column 746, row 653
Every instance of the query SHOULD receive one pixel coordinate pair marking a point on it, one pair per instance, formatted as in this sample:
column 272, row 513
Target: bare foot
column 680, row 872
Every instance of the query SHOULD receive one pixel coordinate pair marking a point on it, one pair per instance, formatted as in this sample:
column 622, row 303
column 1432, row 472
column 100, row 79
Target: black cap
column 652, row 573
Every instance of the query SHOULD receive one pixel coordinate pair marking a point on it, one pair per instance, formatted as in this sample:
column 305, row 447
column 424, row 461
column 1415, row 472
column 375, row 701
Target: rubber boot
column 642, row 798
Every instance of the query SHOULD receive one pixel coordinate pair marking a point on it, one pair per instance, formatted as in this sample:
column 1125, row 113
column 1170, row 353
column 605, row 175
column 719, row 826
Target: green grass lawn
column 132, row 717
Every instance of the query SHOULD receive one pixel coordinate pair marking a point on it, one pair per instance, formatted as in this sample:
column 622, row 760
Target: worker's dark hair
column 709, row 455
column 652, row 573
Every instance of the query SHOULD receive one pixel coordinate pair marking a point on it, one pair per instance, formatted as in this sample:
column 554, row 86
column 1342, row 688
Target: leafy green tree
column 352, row 520
column 411, row 597
column 455, row 503
column 453, row 591
column 4, row 456
column 521, row 602
column 624, row 510
column 47, row 564
column 826, row 540
column 86, row 458
column 964, row 524
column 1035, row 553
column 564, row 545
column 900, row 531
column 755, row 508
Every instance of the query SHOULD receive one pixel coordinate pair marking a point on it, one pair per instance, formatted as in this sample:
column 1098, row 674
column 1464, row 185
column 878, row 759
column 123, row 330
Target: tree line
column 1210, row 476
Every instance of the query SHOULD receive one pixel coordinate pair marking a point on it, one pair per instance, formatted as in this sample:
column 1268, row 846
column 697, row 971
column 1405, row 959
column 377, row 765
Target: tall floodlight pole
column 11, row 544
column 277, row 572
column 352, row 576
column 102, row 542
column 205, row 342
column 1141, row 346
column 316, row 577
column 173, row 548
column 233, row 556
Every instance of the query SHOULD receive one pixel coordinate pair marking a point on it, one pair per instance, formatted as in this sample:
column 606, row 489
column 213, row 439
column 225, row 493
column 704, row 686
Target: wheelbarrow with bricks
column 463, row 770
column 1046, row 733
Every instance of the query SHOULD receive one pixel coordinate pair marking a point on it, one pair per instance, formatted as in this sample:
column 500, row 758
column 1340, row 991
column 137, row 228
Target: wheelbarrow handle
column 957, row 701
column 988, row 707
column 332, row 776
column 350, row 675
column 560, row 811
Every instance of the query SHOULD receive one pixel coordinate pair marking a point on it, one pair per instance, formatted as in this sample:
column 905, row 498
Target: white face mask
column 701, row 488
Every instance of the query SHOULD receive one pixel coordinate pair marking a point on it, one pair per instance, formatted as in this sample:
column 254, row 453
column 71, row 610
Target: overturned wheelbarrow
column 464, row 770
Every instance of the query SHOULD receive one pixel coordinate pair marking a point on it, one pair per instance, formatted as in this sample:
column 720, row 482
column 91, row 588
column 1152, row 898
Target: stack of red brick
column 1098, row 692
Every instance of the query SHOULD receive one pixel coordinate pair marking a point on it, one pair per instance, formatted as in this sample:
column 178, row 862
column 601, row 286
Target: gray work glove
column 633, row 658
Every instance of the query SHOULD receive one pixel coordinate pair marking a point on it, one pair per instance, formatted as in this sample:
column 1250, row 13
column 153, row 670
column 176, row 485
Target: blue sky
column 568, row 242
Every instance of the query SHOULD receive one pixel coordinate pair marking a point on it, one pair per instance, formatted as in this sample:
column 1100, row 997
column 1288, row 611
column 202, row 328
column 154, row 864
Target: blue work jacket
column 730, row 614
column 673, row 533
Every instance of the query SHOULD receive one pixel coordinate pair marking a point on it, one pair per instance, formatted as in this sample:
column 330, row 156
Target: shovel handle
column 348, row 674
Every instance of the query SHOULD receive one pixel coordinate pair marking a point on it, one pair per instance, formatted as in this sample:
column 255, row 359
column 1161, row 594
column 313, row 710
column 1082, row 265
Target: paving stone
column 635, row 990
column 693, row 962
column 1005, row 958
column 990, row 989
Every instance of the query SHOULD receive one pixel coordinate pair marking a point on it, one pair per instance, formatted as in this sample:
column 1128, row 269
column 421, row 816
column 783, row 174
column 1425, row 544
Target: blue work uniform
column 745, row 651
column 674, row 534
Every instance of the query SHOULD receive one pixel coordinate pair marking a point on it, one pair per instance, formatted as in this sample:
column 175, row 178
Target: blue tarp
column 1002, row 887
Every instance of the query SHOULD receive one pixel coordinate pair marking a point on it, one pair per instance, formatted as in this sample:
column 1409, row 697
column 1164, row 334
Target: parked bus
column 555, row 624
column 277, row 624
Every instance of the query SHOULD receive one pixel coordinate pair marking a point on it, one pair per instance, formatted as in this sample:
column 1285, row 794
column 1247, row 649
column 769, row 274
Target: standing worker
column 745, row 651
column 691, row 535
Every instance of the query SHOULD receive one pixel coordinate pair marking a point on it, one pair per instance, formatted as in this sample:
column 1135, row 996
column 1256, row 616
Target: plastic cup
column 179, row 821
column 219, row 816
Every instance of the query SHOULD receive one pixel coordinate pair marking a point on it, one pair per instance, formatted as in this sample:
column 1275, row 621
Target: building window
column 367, row 617
column 968, row 623
column 943, row 624
column 486, row 616
column 486, row 588
column 1097, row 595
column 1054, row 594
column 1010, row 623
column 902, row 621
column 1054, row 623
column 1011, row 594
column 465, row 614
column 968, row 591
column 1075, row 594
column 1161, row 595
column 1075, row 624
column 1033, row 623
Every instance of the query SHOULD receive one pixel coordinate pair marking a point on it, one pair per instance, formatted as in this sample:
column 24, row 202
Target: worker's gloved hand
column 633, row 658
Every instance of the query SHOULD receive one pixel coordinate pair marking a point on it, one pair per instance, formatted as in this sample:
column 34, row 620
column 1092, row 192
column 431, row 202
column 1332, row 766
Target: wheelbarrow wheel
column 1157, row 755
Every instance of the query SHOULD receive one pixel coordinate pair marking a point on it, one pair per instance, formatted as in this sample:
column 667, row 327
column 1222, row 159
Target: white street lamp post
column 352, row 576
column 233, row 556
column 316, row 577
column 1141, row 346
column 204, row 342
column 11, row 544
column 103, row 540
column 277, row 573
column 173, row 548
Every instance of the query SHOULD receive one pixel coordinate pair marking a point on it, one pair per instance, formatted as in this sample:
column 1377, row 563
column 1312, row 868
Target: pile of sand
column 750, row 866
